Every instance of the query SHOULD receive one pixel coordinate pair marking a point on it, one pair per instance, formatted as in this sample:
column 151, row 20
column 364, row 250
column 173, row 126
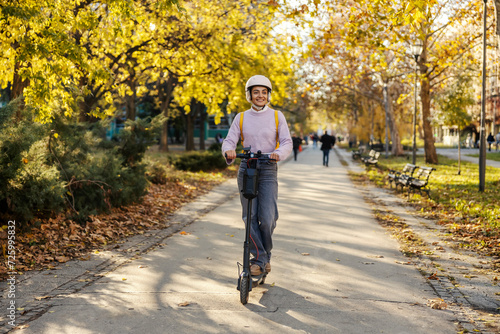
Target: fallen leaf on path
column 368, row 262
column 184, row 304
column 62, row 259
column 124, row 279
column 142, row 266
column 433, row 276
column 22, row 326
column 184, row 233
column 376, row 256
column 404, row 263
column 42, row 297
column 437, row 303
column 305, row 254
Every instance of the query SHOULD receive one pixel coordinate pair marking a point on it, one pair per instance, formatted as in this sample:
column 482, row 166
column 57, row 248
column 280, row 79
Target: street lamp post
column 386, row 105
column 416, row 51
column 482, row 131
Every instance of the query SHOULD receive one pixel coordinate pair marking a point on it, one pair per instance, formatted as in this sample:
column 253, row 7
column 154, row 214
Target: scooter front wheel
column 244, row 288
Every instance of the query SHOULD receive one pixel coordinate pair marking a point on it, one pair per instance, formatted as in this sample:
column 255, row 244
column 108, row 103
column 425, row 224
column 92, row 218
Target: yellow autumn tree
column 446, row 28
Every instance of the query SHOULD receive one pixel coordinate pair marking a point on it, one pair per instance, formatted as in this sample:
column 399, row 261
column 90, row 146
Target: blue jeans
column 326, row 157
column 264, row 212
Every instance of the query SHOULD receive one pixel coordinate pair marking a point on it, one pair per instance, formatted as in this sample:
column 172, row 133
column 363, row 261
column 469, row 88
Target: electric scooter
column 250, row 190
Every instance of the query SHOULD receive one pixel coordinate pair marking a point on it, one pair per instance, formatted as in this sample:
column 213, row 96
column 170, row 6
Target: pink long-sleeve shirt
column 259, row 132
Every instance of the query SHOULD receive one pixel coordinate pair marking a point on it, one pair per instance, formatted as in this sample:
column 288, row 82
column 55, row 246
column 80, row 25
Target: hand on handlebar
column 274, row 156
column 230, row 155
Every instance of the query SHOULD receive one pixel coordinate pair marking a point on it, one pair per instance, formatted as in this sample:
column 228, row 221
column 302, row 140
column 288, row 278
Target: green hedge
column 200, row 161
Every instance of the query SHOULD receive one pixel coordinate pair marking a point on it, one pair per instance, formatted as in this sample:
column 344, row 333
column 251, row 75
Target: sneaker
column 267, row 267
column 255, row 270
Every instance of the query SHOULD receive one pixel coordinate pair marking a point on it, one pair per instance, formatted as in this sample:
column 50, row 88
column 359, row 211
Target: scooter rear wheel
column 244, row 289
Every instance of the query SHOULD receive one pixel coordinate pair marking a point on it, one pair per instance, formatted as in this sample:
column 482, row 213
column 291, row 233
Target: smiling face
column 259, row 95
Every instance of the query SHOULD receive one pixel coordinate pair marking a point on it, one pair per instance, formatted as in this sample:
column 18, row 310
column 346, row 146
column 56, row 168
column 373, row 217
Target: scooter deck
column 258, row 280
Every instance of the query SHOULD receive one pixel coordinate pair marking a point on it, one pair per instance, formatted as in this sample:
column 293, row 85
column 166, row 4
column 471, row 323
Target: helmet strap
column 257, row 107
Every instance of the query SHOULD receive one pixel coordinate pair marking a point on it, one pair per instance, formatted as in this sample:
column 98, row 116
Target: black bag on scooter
column 250, row 183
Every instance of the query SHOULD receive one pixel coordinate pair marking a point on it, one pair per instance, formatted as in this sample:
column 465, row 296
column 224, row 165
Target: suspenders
column 275, row 119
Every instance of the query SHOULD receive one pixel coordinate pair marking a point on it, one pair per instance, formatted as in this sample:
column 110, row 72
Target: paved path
column 335, row 270
column 464, row 154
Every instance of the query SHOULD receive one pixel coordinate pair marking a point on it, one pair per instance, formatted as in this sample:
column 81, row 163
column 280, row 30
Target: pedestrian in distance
column 218, row 138
column 315, row 139
column 297, row 141
column 498, row 140
column 327, row 143
column 468, row 141
column 490, row 141
column 266, row 130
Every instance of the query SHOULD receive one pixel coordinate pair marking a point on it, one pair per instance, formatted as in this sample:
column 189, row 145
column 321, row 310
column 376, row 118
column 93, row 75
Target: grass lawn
column 473, row 217
column 489, row 155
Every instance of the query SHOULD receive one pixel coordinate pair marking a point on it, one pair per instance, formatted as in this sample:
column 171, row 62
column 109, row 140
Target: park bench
column 364, row 156
column 371, row 160
column 358, row 153
column 421, row 181
column 401, row 178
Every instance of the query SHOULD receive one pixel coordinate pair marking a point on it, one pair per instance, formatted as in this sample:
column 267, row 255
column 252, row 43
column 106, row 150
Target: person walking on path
column 490, row 141
column 297, row 141
column 327, row 142
column 265, row 130
column 498, row 139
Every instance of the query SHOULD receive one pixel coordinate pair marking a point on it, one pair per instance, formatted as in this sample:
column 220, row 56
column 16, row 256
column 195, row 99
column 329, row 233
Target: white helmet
column 258, row 80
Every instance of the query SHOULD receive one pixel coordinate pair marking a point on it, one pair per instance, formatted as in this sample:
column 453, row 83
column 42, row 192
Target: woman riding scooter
column 266, row 130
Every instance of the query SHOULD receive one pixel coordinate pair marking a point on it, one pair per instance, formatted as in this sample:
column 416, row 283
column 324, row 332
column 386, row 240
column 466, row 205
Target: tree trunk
column 430, row 149
column 203, row 117
column 131, row 112
column 190, row 118
column 397, row 148
column 85, row 106
column 17, row 89
column 18, row 84
column 165, row 94
column 459, row 153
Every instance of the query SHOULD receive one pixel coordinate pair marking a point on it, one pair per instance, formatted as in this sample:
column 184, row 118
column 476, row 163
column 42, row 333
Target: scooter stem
column 246, row 245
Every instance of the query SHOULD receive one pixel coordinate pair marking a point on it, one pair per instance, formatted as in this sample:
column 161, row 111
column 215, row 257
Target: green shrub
column 68, row 166
column 215, row 147
column 97, row 178
column 157, row 174
column 135, row 138
column 37, row 188
column 29, row 183
column 200, row 161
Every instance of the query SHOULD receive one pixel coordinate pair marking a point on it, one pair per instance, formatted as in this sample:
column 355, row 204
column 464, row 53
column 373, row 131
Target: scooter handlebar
column 253, row 155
